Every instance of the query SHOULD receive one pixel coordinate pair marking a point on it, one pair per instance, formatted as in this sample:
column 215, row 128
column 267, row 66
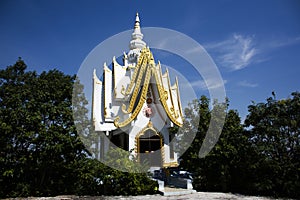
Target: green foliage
column 132, row 179
column 197, row 117
column 274, row 133
column 260, row 160
column 41, row 153
column 103, row 180
column 39, row 142
column 118, row 158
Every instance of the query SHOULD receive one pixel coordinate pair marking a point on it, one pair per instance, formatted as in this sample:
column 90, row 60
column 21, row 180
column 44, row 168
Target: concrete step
column 171, row 191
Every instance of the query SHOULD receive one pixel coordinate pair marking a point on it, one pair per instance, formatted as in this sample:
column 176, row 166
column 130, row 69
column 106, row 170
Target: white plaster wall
column 97, row 102
column 108, row 93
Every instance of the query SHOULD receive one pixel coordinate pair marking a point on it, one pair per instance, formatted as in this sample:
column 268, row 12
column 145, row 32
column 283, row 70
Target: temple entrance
column 149, row 148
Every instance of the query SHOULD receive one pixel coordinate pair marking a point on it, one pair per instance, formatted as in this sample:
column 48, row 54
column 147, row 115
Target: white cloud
column 211, row 84
column 239, row 51
column 278, row 43
column 236, row 52
column 245, row 83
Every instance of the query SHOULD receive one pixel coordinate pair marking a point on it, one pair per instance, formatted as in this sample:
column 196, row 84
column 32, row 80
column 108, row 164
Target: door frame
column 141, row 133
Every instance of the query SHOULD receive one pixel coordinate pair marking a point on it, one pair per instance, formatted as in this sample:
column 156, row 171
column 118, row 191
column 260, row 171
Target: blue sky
column 255, row 44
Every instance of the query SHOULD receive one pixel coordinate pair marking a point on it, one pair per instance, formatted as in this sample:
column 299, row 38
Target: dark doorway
column 150, row 148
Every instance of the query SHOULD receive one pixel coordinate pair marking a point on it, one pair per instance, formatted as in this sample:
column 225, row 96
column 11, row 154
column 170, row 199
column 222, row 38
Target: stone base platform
column 170, row 191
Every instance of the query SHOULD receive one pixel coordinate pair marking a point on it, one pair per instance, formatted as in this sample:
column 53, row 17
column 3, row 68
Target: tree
column 13, row 123
column 197, row 117
column 221, row 169
column 261, row 159
column 226, row 167
column 41, row 151
column 38, row 136
column 274, row 133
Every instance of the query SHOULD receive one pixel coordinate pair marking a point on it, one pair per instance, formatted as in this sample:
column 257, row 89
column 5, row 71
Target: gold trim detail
column 137, row 86
column 162, row 149
column 171, row 164
column 144, row 70
column 105, row 112
column 161, row 92
column 135, row 73
column 123, row 90
column 171, row 96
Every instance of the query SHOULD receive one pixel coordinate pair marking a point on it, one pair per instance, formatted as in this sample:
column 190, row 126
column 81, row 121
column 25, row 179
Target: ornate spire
column 137, row 21
column 136, row 43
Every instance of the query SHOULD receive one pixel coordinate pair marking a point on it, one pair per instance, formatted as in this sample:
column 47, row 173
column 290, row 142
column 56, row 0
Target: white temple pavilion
column 135, row 104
